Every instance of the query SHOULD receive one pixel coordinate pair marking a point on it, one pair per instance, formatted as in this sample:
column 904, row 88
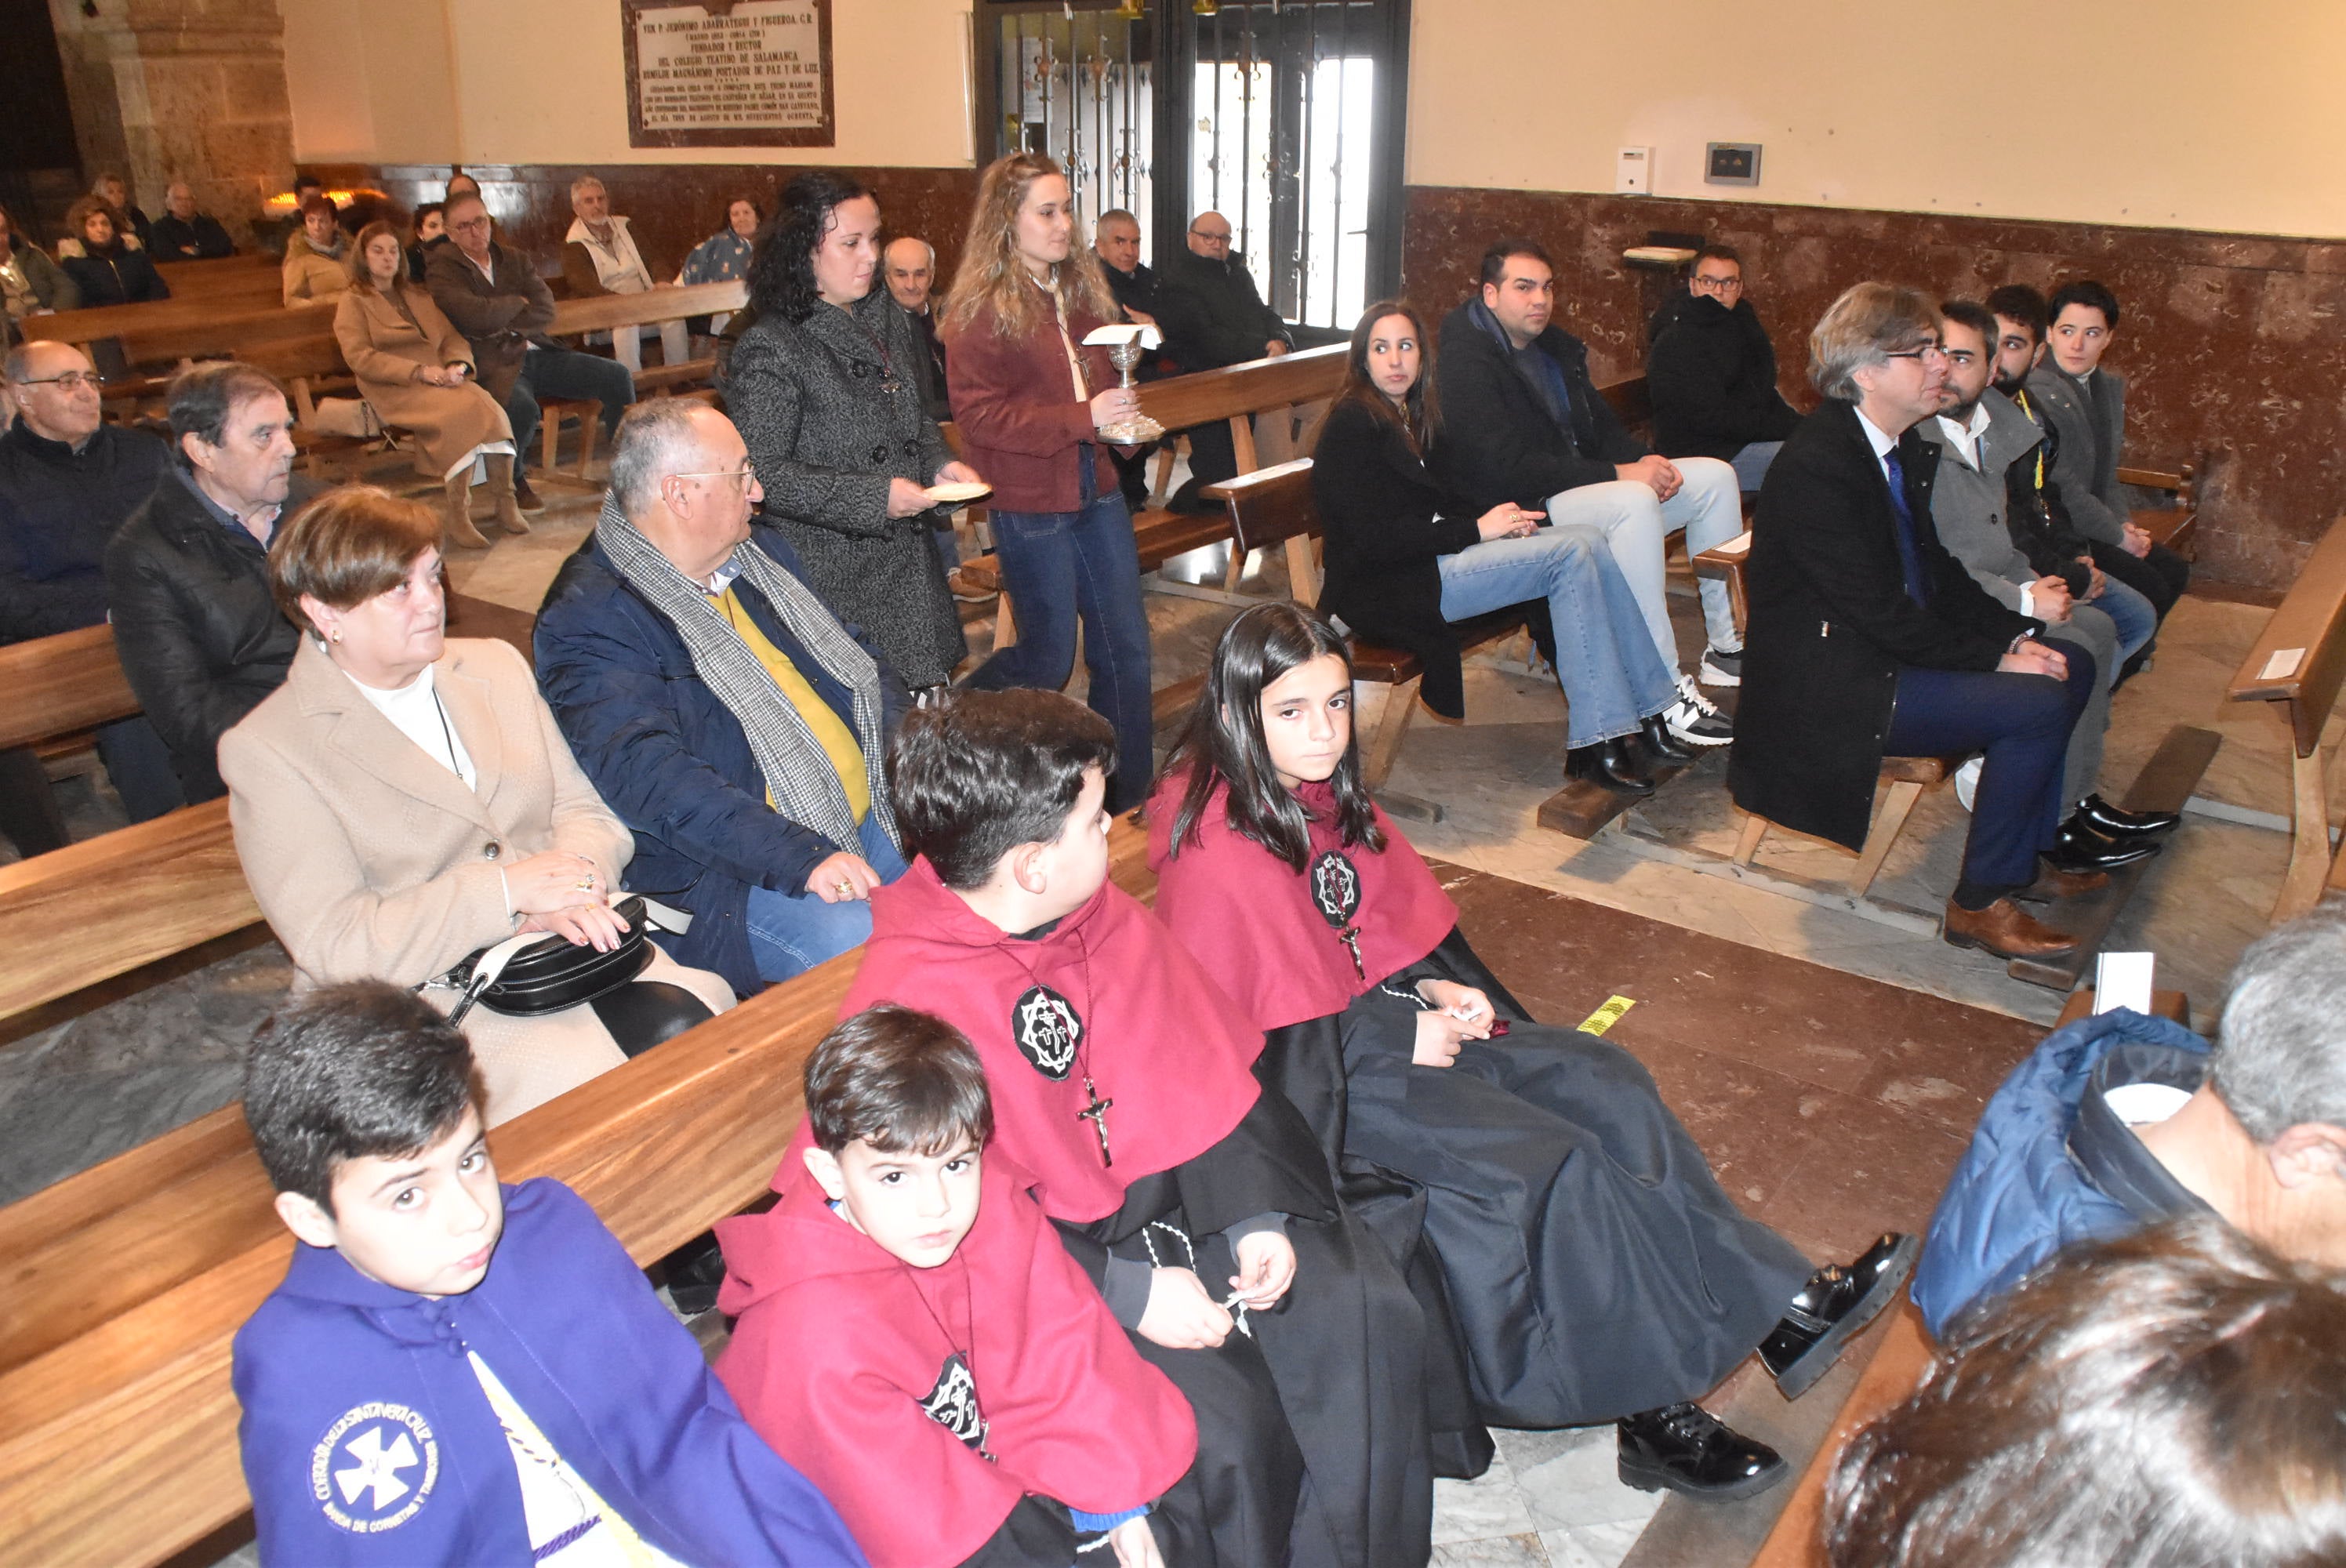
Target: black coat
column 122, row 276
column 199, row 238
column 1212, row 314
column 1386, row 523
column 1831, row 623
column 1498, row 441
column 200, row 635
column 58, row 507
column 1712, row 374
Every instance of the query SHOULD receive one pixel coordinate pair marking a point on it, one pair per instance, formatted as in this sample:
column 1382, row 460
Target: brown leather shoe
column 2004, row 929
column 2055, row 882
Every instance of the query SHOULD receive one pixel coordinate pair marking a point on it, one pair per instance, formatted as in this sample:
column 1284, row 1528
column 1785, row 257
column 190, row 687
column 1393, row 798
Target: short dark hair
column 313, row 205
column 302, row 182
column 364, row 1067
column 1716, row 252
column 978, row 775
column 202, row 399
column 1972, row 314
column 2090, row 292
column 902, row 1080
column 2022, row 303
column 781, row 274
column 346, row 547
column 424, row 209
column 1494, row 259
column 2170, row 1397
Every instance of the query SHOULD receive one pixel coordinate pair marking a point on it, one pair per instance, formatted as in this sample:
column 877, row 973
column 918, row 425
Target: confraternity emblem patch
column 953, row 1403
column 1048, row 1030
column 374, row 1469
column 1335, row 888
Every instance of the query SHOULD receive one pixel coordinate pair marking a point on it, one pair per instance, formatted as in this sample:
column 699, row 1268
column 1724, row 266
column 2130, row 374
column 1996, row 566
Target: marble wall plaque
column 728, row 72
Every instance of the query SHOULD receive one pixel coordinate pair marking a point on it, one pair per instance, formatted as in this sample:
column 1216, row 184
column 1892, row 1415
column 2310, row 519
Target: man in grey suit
column 2086, row 405
column 1981, row 435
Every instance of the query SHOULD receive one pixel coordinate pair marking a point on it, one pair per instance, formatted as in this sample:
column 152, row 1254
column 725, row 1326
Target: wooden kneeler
column 1907, row 777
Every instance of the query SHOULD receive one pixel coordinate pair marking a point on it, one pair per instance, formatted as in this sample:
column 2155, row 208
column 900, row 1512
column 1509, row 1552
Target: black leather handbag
column 537, row 973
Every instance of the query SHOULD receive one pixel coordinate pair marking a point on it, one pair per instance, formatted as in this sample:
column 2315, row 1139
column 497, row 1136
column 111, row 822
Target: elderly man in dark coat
column 825, row 389
column 1212, row 315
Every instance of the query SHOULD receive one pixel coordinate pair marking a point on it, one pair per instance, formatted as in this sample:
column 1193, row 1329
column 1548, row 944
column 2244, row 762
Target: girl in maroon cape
column 1121, row 1078
column 912, row 1332
column 1596, row 1270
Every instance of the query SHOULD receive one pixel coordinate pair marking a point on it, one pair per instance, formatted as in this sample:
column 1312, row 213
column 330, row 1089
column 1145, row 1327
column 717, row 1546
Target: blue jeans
column 1605, row 661
column 2022, row 723
column 2133, row 615
column 792, row 931
column 565, row 372
column 1059, row 567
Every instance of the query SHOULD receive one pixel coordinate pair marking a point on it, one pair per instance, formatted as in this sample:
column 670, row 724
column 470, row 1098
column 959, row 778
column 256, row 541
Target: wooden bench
column 2297, row 663
column 114, row 1382
column 2175, row 525
column 60, row 688
column 161, row 331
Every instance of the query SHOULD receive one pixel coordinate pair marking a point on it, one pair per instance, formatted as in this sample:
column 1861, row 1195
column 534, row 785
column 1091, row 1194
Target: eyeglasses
column 747, row 472
column 480, row 223
column 72, row 380
column 1222, row 237
column 1718, row 285
column 1924, row 353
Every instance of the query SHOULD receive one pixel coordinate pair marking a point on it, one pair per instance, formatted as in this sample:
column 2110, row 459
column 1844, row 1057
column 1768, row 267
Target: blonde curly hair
column 990, row 274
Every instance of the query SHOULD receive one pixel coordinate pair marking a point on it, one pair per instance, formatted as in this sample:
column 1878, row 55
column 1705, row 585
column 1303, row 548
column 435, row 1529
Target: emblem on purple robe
column 375, row 1467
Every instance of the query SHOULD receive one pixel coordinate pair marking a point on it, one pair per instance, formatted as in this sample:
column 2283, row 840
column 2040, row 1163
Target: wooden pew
column 2175, row 525
column 256, row 277
column 607, row 312
column 167, row 329
column 2297, row 663
column 60, row 687
column 115, row 1387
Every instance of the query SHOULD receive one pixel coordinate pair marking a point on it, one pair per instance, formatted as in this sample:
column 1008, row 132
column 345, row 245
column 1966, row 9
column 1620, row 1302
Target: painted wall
column 541, row 81
column 2166, row 113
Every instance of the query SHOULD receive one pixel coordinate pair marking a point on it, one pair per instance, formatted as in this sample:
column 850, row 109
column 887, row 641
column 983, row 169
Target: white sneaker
column 1695, row 718
column 1967, row 780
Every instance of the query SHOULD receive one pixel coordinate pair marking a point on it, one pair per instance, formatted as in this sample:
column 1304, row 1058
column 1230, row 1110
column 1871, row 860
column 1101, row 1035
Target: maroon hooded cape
column 1273, row 936
column 880, row 1381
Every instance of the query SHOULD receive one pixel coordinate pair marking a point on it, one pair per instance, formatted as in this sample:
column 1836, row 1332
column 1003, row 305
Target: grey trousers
column 2090, row 629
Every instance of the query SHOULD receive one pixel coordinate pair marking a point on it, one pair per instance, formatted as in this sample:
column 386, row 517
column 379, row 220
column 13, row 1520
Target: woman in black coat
column 1403, row 563
column 823, row 392
column 110, row 269
column 1867, row 639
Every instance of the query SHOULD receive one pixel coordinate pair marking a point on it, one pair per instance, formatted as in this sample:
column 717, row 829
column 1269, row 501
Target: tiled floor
column 1831, row 1066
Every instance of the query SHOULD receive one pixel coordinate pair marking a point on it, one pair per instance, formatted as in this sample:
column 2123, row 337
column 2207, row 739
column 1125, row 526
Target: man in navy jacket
column 2120, row 1121
column 769, row 895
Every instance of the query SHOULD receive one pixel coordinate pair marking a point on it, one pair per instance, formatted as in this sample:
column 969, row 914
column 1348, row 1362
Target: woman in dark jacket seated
column 110, row 269
column 1400, row 571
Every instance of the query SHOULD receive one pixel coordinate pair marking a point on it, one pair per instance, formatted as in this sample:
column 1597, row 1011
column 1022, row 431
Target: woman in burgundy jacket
column 1028, row 400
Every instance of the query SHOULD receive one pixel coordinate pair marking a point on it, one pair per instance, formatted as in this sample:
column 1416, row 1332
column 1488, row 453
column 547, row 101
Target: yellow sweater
column 837, row 741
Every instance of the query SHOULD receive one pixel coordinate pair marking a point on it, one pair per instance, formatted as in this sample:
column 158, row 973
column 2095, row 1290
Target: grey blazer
column 831, row 409
column 1967, row 503
column 2088, row 438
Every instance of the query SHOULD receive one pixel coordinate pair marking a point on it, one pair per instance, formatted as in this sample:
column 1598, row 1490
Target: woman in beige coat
column 415, row 370
column 404, row 800
column 317, row 260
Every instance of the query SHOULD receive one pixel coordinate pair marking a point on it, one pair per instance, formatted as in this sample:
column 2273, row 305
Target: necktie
column 1910, row 553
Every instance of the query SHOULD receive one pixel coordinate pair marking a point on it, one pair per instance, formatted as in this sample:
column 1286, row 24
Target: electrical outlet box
column 1633, row 171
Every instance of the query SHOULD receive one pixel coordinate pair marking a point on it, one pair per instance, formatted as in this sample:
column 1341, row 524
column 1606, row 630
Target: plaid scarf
column 798, row 771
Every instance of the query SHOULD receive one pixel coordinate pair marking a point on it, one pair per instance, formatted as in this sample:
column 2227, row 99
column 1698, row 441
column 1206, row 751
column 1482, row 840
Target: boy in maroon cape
column 911, row 1332
column 1199, row 1203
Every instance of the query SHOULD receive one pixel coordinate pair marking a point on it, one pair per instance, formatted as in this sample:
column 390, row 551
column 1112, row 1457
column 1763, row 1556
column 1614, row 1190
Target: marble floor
column 1830, row 1063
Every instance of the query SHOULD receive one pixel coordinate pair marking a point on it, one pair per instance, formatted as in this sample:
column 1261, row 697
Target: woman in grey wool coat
column 823, row 388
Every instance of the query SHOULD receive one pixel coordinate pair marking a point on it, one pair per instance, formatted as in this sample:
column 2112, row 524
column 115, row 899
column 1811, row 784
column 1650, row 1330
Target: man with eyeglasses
column 1986, row 444
column 1712, row 374
column 1866, row 640
column 493, row 293
column 720, row 708
column 1212, row 315
column 67, row 482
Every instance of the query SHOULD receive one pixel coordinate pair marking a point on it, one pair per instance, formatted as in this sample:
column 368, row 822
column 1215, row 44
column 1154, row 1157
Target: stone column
column 182, row 90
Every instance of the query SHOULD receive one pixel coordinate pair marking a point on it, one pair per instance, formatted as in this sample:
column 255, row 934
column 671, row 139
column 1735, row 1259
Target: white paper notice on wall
column 2283, row 665
column 2123, row 979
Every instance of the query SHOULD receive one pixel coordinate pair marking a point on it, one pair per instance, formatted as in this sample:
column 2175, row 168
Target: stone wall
column 2234, row 348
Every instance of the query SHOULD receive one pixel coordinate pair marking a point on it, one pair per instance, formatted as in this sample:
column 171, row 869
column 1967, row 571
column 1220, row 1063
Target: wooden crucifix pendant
column 1096, row 1113
column 1351, row 937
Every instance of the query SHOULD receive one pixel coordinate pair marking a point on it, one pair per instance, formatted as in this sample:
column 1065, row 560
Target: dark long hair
column 781, row 274
column 1423, row 417
column 1255, row 650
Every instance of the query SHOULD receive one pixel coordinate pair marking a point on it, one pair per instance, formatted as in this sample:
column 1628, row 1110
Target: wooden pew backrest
column 58, row 684
column 1307, row 375
column 602, row 312
column 184, row 328
column 2311, row 620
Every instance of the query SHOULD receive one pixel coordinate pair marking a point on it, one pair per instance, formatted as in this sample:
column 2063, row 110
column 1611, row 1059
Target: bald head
column 909, row 265
column 54, row 409
column 179, row 200
column 1209, row 234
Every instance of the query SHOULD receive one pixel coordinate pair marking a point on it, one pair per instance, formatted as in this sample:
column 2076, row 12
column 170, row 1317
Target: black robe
column 1596, row 1267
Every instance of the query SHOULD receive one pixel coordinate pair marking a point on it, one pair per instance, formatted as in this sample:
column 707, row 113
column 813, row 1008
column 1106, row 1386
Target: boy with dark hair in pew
column 1197, row 1201
column 456, row 1372
column 910, row 1333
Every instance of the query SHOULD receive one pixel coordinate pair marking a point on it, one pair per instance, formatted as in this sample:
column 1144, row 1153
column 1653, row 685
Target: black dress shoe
column 2116, row 823
column 1660, row 744
column 1609, row 763
column 1687, row 1448
column 2082, row 847
column 1832, row 1306
column 694, row 1273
